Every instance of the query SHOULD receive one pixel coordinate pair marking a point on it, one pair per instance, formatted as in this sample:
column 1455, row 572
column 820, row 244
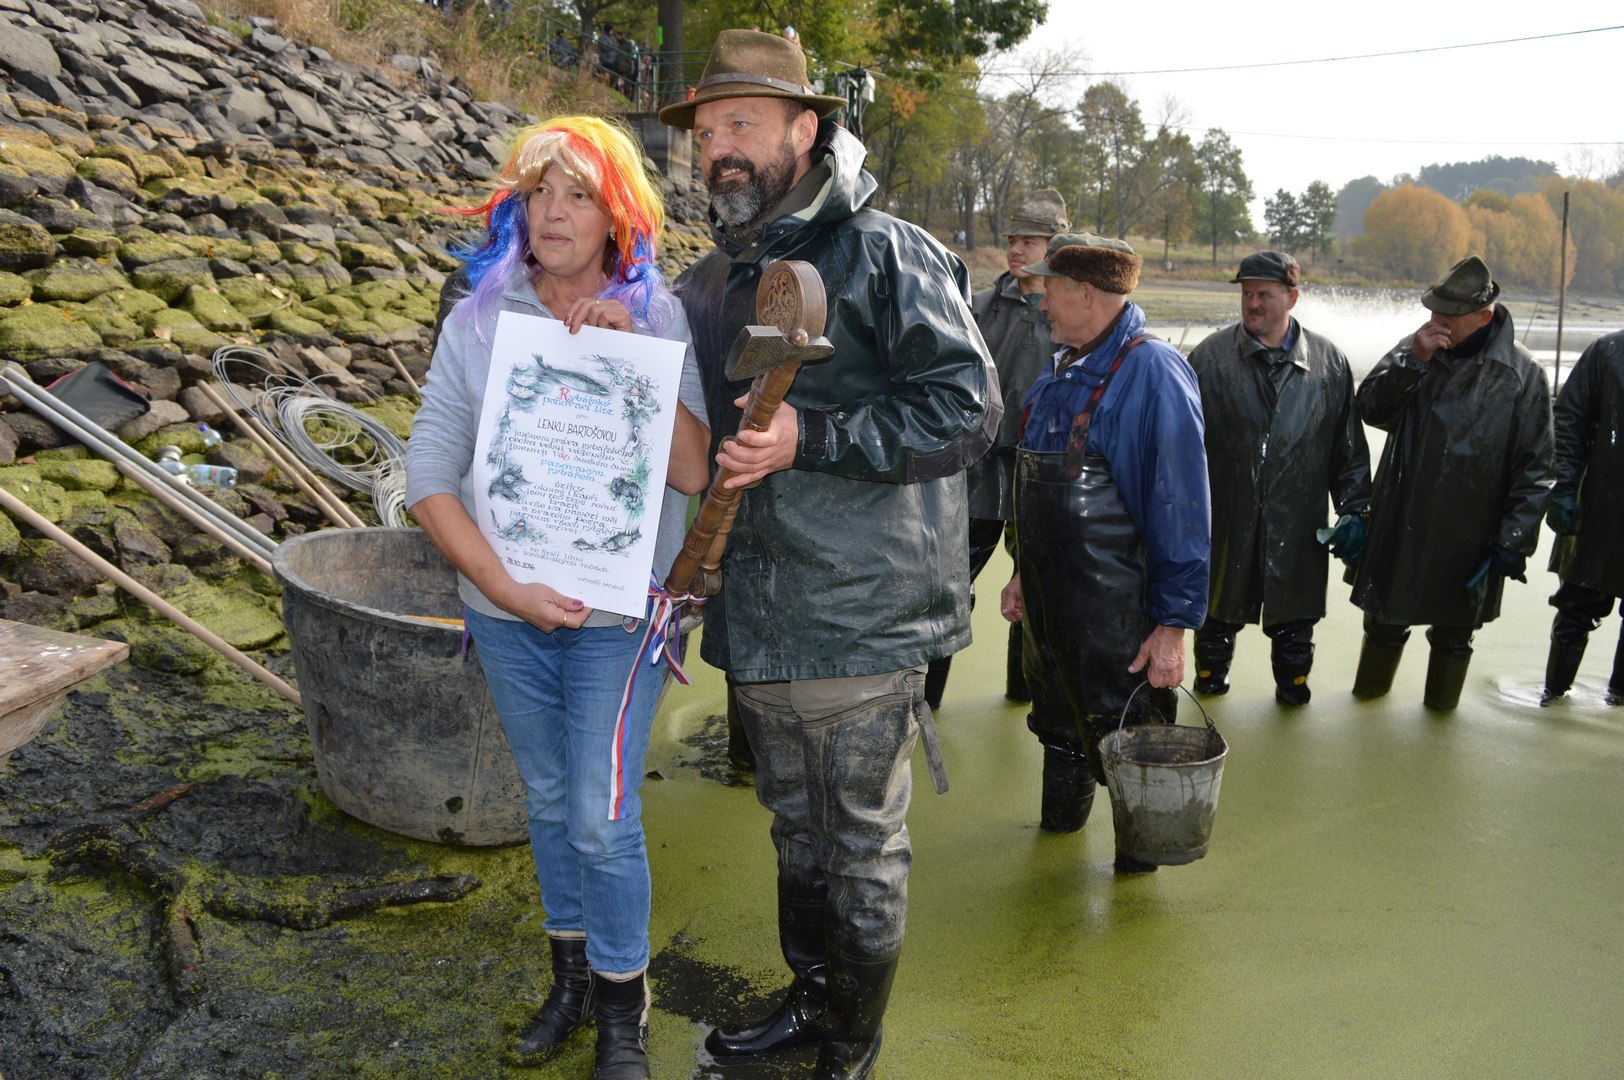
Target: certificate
column 570, row 461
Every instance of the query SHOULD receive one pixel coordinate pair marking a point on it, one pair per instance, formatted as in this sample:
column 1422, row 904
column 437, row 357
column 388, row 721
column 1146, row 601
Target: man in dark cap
column 846, row 571
column 1282, row 433
column 1111, row 521
column 1462, row 483
column 1018, row 335
column 1587, row 513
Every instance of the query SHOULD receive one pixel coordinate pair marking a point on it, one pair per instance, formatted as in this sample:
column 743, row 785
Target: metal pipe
column 26, row 513
column 99, row 440
column 175, row 503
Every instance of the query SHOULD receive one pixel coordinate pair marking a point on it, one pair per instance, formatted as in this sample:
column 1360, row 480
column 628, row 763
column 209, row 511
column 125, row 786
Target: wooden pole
column 394, row 358
column 23, row 512
column 180, row 506
column 1561, row 293
column 328, row 503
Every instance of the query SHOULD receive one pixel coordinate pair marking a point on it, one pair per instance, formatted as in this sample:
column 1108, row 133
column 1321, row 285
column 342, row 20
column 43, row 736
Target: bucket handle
column 1122, row 717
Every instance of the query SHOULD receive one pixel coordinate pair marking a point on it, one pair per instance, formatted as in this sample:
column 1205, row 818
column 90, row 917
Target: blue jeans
column 558, row 695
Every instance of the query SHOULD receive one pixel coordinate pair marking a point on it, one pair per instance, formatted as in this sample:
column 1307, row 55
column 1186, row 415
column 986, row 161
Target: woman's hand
column 542, row 607
column 596, row 311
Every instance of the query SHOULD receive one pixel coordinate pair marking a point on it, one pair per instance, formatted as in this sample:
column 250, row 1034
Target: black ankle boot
column 1446, row 675
column 621, row 1009
column 803, row 1016
column 1561, row 665
column 1015, row 688
column 859, row 988
column 1378, row 663
column 1068, row 791
column 567, row 1008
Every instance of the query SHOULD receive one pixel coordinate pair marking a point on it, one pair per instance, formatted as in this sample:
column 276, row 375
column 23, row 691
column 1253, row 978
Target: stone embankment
column 169, row 186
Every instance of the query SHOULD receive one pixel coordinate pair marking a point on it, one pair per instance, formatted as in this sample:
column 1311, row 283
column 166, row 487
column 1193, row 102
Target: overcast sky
column 1351, row 118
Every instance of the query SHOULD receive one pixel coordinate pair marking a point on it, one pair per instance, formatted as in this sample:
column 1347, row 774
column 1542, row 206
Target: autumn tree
column 1596, row 227
column 1520, row 238
column 1415, row 233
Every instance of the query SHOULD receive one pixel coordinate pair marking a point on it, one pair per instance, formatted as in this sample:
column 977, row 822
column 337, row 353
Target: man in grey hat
column 1282, row 433
column 846, row 570
column 1018, row 335
column 1461, row 487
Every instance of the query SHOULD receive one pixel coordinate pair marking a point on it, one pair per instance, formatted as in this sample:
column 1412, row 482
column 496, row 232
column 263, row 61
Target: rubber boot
column 739, row 753
column 803, row 1016
column 936, row 681
column 1378, row 663
column 1615, row 684
column 1214, row 653
column 1561, row 665
column 621, row 1009
column 1446, row 674
column 568, row 1006
column 1292, row 661
column 1068, row 791
column 859, row 988
column 1015, row 688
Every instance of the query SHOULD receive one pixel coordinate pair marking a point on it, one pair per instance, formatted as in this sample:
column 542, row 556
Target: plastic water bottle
column 220, row 476
column 210, row 436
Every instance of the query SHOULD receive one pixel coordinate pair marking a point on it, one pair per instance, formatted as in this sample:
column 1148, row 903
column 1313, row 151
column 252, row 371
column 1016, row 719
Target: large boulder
column 170, row 278
column 41, row 330
column 75, row 279
column 24, row 244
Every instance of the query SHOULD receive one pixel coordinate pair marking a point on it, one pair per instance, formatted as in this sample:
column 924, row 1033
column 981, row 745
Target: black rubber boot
column 1561, row 665
column 936, row 681
column 1068, row 791
column 1615, row 684
column 1015, row 688
column 1378, row 663
column 739, row 753
column 1446, row 674
column 1214, row 653
column 859, row 988
column 803, row 1016
column 621, row 1009
column 1292, row 661
column 568, row 1006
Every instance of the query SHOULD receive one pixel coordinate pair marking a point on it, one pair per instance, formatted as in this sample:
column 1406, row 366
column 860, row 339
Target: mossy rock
column 37, row 161
column 310, row 281
column 287, row 321
column 381, row 295
column 280, row 274
column 77, row 279
column 90, row 474
column 168, row 280
column 341, row 306
column 353, row 255
column 27, row 485
column 295, row 251
column 281, row 194
column 361, row 203
column 150, row 167
column 94, row 608
column 10, row 538
column 183, row 329
column 398, row 327
column 37, row 331
column 168, row 648
column 91, row 243
column 264, row 252
column 14, row 288
column 390, row 201
column 252, row 298
column 24, row 244
column 213, row 310
column 109, row 173
column 115, row 329
column 395, row 413
column 362, row 330
column 131, row 303
column 235, row 612
column 218, row 247
column 420, row 311
column 143, row 250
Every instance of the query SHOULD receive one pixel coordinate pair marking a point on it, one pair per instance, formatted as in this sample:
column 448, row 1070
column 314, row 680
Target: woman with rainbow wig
column 570, row 235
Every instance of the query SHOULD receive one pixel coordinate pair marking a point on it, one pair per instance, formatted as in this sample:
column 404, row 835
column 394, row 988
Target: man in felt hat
column 1112, row 528
column 1282, row 433
column 1587, row 513
column 846, row 570
column 1018, row 335
column 1462, row 483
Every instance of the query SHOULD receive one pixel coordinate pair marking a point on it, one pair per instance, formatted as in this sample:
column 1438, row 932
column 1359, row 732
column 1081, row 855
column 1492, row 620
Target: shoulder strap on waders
column 1077, row 441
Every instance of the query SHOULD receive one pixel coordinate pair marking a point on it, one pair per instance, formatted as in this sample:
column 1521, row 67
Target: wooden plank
column 40, row 667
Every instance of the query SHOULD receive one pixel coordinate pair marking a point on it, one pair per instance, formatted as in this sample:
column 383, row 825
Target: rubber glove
column 1345, row 539
column 1563, row 512
column 1500, row 560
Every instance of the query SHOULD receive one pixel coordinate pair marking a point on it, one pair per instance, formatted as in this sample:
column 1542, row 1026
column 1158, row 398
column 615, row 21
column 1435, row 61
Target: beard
column 744, row 201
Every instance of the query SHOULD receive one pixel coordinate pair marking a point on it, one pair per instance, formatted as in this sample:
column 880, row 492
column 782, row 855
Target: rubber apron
column 1084, row 583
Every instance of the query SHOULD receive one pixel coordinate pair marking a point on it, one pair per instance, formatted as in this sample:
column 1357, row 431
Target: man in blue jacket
column 1112, row 521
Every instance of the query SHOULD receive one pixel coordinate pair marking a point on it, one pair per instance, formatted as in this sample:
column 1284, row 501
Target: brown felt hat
column 1042, row 213
column 1468, row 287
column 749, row 63
column 1102, row 261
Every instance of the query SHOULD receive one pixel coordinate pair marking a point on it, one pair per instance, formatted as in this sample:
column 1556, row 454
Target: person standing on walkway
column 1017, row 333
column 1282, row 433
column 1112, row 522
column 846, row 571
column 1587, row 513
column 1462, row 484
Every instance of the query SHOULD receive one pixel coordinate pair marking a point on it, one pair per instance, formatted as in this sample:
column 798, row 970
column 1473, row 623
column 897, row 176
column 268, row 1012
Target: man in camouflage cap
column 1017, row 334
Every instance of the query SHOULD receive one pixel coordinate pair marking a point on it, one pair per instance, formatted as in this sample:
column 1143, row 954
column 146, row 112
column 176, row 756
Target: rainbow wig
column 604, row 159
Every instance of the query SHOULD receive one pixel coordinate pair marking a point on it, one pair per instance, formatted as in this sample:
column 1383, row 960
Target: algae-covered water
column 1389, row 893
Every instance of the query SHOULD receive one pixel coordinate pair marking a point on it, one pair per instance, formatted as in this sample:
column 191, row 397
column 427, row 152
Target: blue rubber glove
column 1563, row 513
column 1345, row 539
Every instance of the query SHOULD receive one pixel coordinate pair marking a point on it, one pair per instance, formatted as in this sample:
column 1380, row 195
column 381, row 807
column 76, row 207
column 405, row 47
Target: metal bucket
column 401, row 721
column 1164, row 783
